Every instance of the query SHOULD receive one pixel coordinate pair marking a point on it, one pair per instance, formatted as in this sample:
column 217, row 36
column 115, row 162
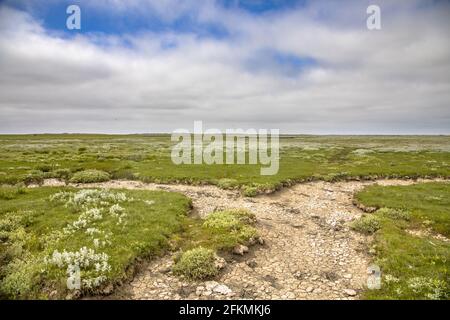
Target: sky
column 145, row 66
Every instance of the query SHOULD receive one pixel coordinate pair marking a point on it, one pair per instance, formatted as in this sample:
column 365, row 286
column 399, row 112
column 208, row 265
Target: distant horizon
column 281, row 134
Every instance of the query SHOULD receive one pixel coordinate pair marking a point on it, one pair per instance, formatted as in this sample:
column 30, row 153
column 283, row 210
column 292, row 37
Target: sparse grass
column 412, row 267
column 196, row 264
column 46, row 230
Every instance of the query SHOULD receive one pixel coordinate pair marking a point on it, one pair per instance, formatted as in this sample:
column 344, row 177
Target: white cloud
column 396, row 80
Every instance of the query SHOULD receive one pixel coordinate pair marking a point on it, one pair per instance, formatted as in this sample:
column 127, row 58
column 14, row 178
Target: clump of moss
column 91, row 175
column 196, row 264
column 367, row 224
column 231, row 227
column 250, row 191
column 395, row 214
column 229, row 219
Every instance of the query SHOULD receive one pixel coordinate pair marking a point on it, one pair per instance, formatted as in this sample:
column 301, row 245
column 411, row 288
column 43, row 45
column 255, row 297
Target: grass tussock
column 90, row 176
column 196, row 264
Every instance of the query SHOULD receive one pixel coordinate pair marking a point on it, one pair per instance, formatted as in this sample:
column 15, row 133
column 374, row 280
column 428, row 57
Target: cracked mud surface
column 309, row 250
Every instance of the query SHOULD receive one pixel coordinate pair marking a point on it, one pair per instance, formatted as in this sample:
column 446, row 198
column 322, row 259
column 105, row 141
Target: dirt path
column 309, row 251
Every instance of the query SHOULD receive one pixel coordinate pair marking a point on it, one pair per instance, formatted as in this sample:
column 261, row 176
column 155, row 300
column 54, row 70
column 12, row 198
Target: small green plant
column 367, row 224
column 249, row 191
column 196, row 264
column 229, row 219
column 395, row 214
column 44, row 167
column 231, row 227
column 91, row 175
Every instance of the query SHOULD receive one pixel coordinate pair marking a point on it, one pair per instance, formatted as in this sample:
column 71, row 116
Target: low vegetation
column 230, row 227
column 367, row 224
column 88, row 176
column 58, row 242
column 201, row 240
column 411, row 244
column 11, row 192
column 395, row 214
column 32, row 158
column 50, row 237
column 196, row 264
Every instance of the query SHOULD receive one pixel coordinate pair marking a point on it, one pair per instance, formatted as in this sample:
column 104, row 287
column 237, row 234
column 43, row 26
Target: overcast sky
column 158, row 65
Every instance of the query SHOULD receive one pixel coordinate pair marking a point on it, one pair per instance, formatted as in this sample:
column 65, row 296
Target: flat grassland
column 30, row 158
column 45, row 232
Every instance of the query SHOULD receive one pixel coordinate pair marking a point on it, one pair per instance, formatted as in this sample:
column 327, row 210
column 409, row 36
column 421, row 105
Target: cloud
column 311, row 69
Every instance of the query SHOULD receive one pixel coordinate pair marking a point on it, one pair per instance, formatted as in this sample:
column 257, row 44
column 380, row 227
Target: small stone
column 222, row 289
column 219, row 263
column 309, row 289
column 210, row 285
column 348, row 276
column 291, row 295
column 240, row 249
column 165, row 269
column 53, row 294
column 350, row 292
